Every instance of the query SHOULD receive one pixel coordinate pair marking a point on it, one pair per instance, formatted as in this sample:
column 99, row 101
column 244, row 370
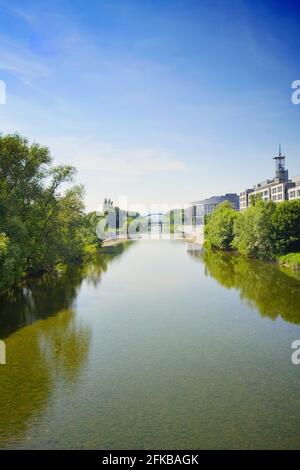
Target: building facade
column 245, row 198
column 278, row 189
column 199, row 209
column 294, row 191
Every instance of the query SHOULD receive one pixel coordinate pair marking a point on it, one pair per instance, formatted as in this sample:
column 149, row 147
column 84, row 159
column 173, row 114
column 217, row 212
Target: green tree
column 253, row 230
column 286, row 222
column 219, row 226
column 42, row 219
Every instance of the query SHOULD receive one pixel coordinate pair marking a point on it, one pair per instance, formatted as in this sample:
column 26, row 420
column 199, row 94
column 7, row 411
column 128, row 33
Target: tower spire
column 281, row 172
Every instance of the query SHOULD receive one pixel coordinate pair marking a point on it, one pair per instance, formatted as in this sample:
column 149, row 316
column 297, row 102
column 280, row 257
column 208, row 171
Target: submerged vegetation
column 265, row 230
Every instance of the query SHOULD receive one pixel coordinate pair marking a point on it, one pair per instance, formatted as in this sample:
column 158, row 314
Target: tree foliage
column 219, row 227
column 264, row 230
column 253, row 231
column 42, row 219
column 286, row 222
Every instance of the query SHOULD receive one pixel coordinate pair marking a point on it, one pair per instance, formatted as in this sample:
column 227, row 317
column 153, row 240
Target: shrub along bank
column 265, row 230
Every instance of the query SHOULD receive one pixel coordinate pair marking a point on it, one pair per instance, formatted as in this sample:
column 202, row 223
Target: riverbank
column 266, row 230
column 291, row 260
column 193, row 234
column 43, row 222
column 113, row 242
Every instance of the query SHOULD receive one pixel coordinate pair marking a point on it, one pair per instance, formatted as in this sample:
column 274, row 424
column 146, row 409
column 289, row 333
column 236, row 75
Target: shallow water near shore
column 152, row 346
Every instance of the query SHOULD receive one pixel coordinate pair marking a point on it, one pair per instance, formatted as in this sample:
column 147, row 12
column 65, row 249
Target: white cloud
column 108, row 159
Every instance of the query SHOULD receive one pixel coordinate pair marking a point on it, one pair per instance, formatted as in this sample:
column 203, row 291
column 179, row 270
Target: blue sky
column 164, row 101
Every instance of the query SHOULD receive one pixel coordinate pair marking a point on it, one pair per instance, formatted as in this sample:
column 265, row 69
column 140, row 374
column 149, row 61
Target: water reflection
column 110, row 371
column 39, row 356
column 264, row 286
column 51, row 348
column 47, row 295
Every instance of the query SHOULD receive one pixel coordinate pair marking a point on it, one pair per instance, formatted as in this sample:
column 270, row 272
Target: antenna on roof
column 280, row 164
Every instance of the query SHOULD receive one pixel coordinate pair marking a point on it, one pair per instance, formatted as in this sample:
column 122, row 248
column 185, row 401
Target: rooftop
column 215, row 199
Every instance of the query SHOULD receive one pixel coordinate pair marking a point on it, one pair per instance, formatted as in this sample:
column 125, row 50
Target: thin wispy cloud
column 21, row 63
column 182, row 91
column 25, row 15
column 109, row 159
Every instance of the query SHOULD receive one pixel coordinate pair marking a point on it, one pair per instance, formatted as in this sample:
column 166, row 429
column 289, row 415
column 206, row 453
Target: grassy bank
column 291, row 260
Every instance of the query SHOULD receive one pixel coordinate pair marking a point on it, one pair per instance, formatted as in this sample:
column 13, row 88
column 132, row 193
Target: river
column 152, row 346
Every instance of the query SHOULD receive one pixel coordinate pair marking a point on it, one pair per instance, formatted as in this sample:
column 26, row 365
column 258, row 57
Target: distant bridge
column 154, row 218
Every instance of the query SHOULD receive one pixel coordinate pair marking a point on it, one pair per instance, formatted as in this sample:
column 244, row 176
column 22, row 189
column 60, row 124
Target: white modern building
column 199, row 209
column 245, row 198
column 278, row 189
column 294, row 191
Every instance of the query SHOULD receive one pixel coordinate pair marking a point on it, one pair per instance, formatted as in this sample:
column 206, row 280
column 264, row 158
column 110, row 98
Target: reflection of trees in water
column 264, row 286
column 41, row 298
column 49, row 294
column 52, row 348
column 38, row 356
column 64, row 343
column 92, row 272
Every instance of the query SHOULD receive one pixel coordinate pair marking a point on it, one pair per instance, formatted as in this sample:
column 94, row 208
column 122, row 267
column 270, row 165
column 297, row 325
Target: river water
column 152, row 346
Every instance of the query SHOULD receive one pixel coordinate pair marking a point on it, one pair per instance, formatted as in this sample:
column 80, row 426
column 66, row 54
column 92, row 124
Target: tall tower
column 281, row 172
